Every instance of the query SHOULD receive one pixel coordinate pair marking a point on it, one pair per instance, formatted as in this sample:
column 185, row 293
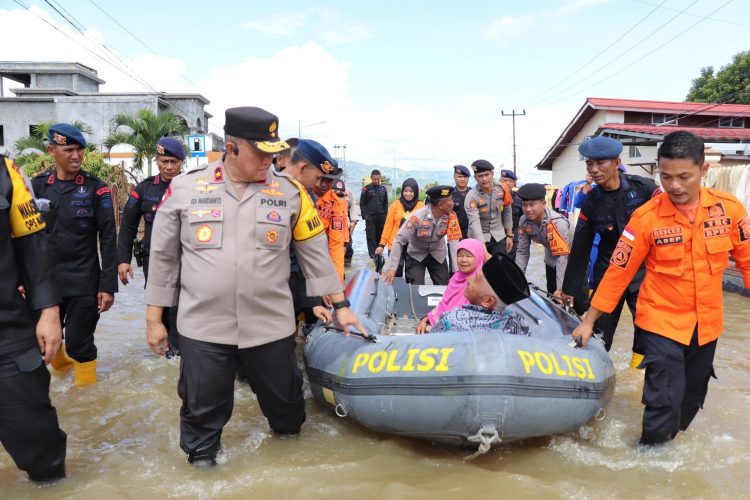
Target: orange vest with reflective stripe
column 334, row 215
column 684, row 265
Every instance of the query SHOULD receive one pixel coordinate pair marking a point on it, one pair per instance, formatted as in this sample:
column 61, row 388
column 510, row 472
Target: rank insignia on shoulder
column 218, row 174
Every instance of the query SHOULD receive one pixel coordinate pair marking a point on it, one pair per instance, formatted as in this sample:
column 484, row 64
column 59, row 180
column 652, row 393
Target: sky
column 415, row 84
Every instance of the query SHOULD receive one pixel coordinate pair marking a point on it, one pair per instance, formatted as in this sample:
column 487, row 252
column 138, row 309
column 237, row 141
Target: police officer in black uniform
column 509, row 178
column 29, row 429
column 143, row 203
column 461, row 176
column 373, row 206
column 77, row 207
column 605, row 212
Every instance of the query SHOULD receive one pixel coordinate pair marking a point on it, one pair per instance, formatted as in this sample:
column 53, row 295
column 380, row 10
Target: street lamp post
column 300, row 126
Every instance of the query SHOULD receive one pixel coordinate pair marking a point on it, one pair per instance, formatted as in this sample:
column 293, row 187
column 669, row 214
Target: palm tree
column 145, row 128
column 37, row 141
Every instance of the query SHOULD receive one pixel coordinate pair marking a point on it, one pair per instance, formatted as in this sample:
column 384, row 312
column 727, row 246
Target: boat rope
column 486, row 437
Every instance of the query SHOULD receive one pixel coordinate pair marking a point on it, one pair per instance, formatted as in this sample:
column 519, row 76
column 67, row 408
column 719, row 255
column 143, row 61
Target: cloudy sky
column 418, row 83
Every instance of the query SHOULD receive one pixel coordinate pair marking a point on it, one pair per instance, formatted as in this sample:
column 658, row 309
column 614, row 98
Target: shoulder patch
column 308, row 223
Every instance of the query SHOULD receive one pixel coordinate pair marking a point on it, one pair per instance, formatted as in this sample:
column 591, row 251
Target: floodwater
column 123, row 437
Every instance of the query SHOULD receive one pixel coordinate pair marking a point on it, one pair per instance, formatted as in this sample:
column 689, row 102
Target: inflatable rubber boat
column 456, row 388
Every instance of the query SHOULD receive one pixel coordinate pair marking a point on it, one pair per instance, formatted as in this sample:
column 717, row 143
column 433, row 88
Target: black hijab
column 409, row 205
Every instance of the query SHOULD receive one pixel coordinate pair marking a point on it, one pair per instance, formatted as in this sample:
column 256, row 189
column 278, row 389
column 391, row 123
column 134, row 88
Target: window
column 729, row 122
column 634, row 152
column 663, row 119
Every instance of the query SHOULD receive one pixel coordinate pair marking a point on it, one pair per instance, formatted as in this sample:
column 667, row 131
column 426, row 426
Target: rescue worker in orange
column 398, row 213
column 333, row 212
column 684, row 236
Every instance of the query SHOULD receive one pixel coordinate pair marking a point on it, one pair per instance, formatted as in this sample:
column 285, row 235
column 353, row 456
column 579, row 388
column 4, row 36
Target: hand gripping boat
column 456, row 388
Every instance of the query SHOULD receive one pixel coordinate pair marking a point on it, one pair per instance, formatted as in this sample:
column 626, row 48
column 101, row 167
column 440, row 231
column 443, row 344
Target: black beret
column 532, row 191
column 461, row 170
column 600, row 148
column 506, row 279
column 257, row 125
column 482, row 166
column 438, row 192
column 509, row 174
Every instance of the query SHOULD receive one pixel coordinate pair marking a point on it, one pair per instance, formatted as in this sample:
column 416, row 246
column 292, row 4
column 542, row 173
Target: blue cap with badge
column 509, row 174
column 461, row 170
column 318, row 156
column 65, row 134
column 169, row 146
column 600, row 148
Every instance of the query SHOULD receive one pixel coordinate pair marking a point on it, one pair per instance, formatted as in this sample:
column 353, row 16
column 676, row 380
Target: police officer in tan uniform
column 424, row 236
column 488, row 207
column 546, row 227
column 220, row 243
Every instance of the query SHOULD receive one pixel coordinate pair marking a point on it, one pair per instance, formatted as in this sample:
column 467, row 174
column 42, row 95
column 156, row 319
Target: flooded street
column 123, row 437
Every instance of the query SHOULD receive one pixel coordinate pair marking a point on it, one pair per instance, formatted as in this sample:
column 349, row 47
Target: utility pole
column 336, row 147
column 514, row 114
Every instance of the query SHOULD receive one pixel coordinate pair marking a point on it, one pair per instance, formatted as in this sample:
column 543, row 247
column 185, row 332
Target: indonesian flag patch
column 628, row 233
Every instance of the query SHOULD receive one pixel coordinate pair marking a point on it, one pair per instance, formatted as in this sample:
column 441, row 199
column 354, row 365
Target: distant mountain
column 355, row 171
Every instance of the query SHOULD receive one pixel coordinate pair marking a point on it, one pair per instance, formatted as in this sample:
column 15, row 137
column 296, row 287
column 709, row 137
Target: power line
column 696, row 15
column 654, row 49
column 584, row 65
column 617, row 58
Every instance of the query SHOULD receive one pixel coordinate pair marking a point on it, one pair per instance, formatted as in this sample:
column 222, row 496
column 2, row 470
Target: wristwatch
column 340, row 305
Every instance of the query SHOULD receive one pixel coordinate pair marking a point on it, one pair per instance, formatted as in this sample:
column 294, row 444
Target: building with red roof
column 641, row 125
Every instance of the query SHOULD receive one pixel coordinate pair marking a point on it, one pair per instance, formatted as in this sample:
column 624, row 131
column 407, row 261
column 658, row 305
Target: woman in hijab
column 470, row 257
column 399, row 211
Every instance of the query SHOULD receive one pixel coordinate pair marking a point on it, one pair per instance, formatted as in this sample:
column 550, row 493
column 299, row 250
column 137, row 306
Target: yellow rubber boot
column 635, row 360
column 61, row 363
column 84, row 373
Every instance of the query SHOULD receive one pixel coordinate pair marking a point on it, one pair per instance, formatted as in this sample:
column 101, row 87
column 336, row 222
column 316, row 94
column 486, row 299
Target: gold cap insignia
column 326, row 167
column 474, row 168
column 272, row 129
column 60, row 139
column 159, row 149
column 444, row 192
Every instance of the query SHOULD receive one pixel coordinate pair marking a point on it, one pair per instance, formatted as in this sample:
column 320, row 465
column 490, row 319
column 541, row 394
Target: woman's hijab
column 409, row 205
column 454, row 294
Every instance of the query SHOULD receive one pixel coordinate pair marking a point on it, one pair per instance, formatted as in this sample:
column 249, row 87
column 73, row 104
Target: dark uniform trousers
column 206, row 387
column 415, row 269
column 676, row 383
column 374, row 229
column 29, row 429
column 551, row 275
column 607, row 322
column 79, row 316
column 495, row 247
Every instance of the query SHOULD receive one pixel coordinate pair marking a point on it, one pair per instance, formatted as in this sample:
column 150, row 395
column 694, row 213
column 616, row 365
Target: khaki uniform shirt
column 227, row 258
column 554, row 234
column 424, row 235
column 490, row 215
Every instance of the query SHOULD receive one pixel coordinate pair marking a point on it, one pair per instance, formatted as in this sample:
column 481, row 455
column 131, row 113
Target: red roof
column 706, row 133
column 593, row 104
column 698, row 108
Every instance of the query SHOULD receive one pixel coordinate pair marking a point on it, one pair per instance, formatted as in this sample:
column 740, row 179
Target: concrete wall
column 87, row 85
column 98, row 111
column 17, row 116
column 53, row 81
column 191, row 110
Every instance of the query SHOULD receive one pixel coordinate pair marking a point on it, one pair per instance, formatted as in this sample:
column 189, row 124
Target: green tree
column 143, row 130
column 423, row 191
column 731, row 84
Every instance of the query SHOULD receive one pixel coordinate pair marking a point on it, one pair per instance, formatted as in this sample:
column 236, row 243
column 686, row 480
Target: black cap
column 257, row 125
column 482, row 166
column 506, row 279
column 532, row 191
column 439, row 192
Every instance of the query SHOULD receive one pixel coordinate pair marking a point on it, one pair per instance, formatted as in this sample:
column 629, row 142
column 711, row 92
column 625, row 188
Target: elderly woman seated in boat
column 470, row 257
column 494, row 286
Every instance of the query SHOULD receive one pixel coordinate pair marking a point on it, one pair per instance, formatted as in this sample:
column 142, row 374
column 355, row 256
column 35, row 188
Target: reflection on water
column 123, row 437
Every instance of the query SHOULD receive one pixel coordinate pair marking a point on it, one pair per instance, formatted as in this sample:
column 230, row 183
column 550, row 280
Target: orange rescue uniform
column 393, row 221
column 333, row 211
column 684, row 265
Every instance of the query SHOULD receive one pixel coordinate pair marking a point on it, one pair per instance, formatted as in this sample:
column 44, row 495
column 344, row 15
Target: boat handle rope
column 366, row 337
column 340, row 411
column 486, row 437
